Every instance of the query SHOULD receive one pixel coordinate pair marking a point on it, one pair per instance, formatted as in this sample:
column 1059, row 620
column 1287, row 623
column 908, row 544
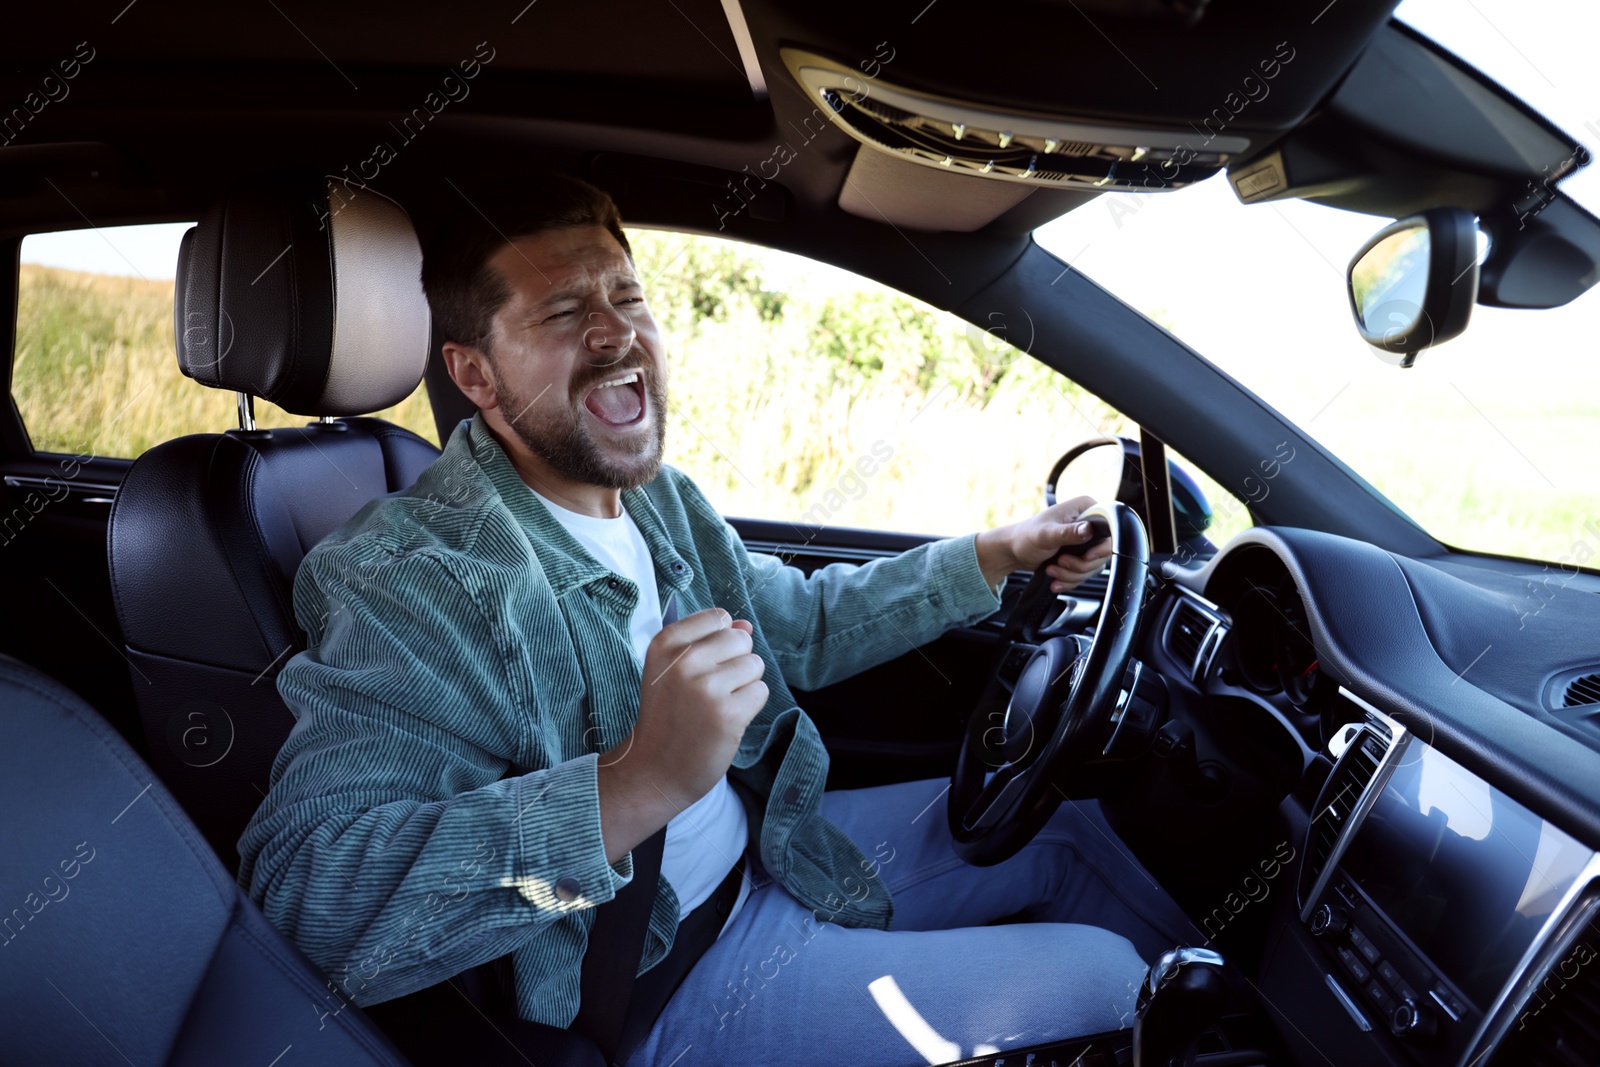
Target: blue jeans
column 780, row 987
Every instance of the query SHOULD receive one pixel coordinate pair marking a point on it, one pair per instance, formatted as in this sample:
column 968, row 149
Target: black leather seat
column 125, row 940
column 307, row 293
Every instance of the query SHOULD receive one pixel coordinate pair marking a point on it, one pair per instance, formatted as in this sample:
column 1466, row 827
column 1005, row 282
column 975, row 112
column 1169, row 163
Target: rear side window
column 95, row 371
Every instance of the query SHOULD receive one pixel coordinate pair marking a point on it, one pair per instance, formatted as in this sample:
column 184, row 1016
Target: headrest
column 307, row 292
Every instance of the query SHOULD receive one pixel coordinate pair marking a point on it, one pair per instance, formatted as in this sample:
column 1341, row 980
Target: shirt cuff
column 960, row 588
column 561, row 863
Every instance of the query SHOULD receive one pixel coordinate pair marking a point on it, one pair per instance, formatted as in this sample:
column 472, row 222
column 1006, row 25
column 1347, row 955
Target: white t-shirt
column 707, row 838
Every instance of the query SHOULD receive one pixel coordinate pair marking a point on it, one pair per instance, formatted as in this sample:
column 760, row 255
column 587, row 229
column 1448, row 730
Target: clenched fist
column 701, row 686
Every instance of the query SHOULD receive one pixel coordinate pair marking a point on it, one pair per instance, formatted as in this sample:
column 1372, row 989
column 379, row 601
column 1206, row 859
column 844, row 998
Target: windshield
column 1543, row 54
column 1488, row 442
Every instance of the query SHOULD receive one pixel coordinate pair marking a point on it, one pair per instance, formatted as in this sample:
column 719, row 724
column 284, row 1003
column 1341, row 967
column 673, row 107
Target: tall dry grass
column 96, row 369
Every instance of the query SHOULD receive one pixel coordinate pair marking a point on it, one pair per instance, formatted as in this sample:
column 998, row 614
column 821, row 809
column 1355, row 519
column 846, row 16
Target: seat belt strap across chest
column 616, row 945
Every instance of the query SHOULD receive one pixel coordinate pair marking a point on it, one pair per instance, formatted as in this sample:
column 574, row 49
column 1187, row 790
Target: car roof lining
column 331, row 47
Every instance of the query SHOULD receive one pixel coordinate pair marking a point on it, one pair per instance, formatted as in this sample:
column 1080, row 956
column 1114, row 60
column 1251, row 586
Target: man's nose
column 609, row 333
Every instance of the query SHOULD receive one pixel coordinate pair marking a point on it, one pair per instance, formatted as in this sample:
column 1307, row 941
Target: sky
column 135, row 251
column 1543, row 51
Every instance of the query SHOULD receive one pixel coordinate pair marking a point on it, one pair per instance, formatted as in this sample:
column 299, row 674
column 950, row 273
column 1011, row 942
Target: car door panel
column 53, row 567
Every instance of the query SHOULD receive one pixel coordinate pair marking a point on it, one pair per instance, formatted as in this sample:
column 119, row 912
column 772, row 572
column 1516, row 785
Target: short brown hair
column 464, row 292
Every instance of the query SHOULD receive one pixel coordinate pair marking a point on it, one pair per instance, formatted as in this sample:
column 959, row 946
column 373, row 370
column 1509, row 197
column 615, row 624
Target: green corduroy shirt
column 435, row 806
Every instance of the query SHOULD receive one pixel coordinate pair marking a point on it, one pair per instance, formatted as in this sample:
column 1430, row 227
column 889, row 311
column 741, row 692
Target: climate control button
column 1411, row 1021
column 1329, row 922
column 1363, row 945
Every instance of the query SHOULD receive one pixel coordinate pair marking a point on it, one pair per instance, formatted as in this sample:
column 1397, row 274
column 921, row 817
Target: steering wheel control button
column 1329, row 922
column 568, row 889
column 1016, row 658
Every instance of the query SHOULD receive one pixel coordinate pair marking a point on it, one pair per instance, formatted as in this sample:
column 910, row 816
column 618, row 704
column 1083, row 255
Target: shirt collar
column 566, row 563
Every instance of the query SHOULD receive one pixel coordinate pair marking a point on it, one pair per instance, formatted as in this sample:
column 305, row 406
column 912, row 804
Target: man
column 491, row 716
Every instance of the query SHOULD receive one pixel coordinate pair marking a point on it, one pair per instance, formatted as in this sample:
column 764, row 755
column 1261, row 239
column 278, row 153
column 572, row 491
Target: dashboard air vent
column 1190, row 630
column 1560, row 1023
column 1094, row 586
column 1340, row 795
column 1582, row 690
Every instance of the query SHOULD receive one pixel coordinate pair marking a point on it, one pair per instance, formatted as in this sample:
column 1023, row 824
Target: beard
column 559, row 434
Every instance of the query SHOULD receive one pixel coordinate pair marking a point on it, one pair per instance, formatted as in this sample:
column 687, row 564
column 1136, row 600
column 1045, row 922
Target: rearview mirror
column 1412, row 286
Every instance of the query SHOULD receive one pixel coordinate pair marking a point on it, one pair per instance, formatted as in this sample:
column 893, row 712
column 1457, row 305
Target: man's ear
column 472, row 372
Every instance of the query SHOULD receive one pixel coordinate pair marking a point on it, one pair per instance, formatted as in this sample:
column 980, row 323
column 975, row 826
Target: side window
column 95, row 371
column 804, row 393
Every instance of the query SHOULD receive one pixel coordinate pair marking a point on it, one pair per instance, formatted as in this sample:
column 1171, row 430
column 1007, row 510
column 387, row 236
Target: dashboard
column 1445, row 802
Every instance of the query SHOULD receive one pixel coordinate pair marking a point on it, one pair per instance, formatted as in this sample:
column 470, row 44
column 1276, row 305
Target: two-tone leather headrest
column 307, row 292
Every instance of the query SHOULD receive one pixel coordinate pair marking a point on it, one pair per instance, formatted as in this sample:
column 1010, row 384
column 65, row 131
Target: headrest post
column 247, row 411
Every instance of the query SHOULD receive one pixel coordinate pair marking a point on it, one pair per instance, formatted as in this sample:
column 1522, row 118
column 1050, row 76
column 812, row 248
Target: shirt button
column 613, row 583
column 679, row 568
column 791, row 795
column 567, row 889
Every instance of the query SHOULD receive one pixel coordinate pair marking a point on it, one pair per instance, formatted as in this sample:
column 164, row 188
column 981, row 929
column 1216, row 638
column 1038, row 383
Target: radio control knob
column 1409, row 1020
column 1329, row 922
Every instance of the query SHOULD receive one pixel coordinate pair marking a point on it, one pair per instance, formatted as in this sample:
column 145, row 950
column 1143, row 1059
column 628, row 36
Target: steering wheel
column 1057, row 704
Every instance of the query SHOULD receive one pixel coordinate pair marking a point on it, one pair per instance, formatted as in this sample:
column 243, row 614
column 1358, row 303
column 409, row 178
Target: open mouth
column 619, row 401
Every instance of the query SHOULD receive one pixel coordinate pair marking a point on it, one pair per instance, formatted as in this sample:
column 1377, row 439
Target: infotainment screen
column 1464, row 871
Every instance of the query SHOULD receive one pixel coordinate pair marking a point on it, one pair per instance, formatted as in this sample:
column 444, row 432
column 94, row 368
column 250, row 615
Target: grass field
column 96, row 369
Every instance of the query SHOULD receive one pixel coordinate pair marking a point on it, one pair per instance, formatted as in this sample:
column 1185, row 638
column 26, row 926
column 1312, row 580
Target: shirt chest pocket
column 587, row 682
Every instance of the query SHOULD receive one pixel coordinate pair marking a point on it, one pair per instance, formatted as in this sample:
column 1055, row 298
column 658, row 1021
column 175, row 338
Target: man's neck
column 538, row 475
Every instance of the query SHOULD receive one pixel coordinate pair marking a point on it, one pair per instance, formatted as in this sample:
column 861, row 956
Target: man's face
column 579, row 367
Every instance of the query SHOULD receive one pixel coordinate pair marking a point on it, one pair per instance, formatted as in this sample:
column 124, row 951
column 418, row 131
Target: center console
column 1432, row 896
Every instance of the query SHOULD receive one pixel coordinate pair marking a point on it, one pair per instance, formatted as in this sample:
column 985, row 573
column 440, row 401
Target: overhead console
column 1018, row 147
column 1027, row 108
column 1445, row 916
column 1109, row 62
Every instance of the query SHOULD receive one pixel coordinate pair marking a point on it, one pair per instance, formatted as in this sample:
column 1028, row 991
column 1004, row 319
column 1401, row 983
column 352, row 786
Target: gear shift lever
column 1182, row 995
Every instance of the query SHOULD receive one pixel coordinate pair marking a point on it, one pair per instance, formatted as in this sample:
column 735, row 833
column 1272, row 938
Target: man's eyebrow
column 616, row 281
column 556, row 298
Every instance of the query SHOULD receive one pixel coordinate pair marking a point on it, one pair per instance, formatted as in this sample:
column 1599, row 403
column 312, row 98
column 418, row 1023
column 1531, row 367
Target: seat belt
column 616, row 939
column 616, row 945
